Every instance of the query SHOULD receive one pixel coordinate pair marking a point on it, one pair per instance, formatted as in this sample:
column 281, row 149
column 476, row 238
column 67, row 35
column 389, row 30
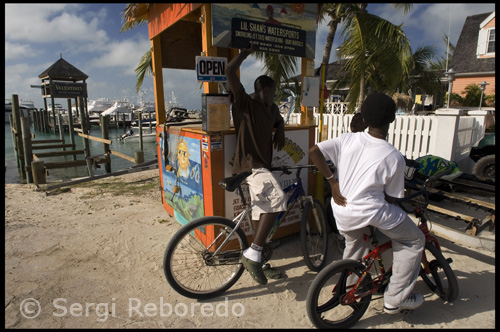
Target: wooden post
column 158, row 79
column 16, row 117
column 123, row 122
column 35, row 119
column 61, row 129
column 139, row 157
column 45, row 118
column 38, row 172
column 140, row 132
column 70, row 127
column 53, row 108
column 86, row 146
column 28, row 154
column 105, row 135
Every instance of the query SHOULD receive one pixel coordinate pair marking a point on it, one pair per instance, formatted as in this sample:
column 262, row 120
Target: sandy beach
column 90, row 256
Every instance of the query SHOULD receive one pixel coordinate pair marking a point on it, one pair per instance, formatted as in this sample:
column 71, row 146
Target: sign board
column 215, row 114
column 211, row 69
column 67, row 90
column 281, row 28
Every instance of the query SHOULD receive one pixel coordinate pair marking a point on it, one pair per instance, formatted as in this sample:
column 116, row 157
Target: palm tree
column 422, row 77
column 336, row 12
column 145, row 66
column 375, row 54
column 471, row 96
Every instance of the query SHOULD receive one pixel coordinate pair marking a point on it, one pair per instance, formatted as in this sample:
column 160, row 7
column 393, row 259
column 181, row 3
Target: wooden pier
column 29, row 152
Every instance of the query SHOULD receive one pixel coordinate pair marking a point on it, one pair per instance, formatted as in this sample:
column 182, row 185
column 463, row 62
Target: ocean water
column 13, row 174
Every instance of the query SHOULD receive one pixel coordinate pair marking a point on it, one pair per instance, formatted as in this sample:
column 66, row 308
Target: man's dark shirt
column 254, row 124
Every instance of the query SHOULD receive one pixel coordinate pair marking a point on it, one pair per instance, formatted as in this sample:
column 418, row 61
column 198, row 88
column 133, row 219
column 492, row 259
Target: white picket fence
column 449, row 133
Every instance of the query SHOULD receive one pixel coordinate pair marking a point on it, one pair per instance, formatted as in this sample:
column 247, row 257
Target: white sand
column 74, row 251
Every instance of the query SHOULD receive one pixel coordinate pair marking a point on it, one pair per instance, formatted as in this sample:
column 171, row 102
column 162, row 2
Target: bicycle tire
column 192, row 270
column 442, row 279
column 328, row 288
column 314, row 242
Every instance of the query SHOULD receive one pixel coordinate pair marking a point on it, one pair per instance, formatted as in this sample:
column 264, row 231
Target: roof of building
column 64, row 71
column 464, row 58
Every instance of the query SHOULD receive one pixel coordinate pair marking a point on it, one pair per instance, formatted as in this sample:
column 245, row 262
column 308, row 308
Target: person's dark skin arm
column 320, row 162
column 279, row 135
column 390, row 199
column 232, row 68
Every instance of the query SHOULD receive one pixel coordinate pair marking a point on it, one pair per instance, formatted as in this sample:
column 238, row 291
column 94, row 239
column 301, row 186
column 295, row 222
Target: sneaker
column 412, row 302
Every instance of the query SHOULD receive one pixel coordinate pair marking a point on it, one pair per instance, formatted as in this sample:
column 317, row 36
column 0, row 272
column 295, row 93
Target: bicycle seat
column 232, row 182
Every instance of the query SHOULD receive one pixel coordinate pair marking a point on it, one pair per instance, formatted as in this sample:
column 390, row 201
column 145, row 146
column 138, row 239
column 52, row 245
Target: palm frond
column 144, row 68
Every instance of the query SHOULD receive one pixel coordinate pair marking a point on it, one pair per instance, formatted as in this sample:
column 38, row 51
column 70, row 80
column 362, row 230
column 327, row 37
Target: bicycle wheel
column 441, row 279
column 325, row 295
column 314, row 235
column 189, row 263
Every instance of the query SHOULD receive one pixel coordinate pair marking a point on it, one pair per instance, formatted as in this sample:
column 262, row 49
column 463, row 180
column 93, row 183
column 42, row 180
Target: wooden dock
column 29, row 152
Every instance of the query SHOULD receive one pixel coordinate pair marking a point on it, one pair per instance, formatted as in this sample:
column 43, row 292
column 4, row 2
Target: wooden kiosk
column 192, row 160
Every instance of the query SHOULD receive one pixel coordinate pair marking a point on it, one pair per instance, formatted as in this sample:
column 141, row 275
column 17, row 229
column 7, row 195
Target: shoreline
column 91, row 255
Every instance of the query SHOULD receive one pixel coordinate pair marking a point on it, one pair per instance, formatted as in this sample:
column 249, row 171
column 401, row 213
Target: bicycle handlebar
column 423, row 191
column 286, row 168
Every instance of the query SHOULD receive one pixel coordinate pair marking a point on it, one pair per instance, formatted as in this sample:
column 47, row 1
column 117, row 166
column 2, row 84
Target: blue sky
column 88, row 36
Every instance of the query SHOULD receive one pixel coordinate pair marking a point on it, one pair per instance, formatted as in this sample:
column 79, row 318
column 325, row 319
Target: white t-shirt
column 366, row 168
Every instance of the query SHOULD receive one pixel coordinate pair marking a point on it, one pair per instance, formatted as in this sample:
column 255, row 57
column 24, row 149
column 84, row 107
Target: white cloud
column 429, row 22
column 51, row 23
column 126, row 54
column 16, row 50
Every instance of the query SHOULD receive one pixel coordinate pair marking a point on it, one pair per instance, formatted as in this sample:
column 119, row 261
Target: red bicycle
column 338, row 299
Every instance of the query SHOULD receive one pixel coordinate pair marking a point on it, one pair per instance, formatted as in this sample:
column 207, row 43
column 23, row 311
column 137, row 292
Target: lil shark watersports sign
column 281, row 28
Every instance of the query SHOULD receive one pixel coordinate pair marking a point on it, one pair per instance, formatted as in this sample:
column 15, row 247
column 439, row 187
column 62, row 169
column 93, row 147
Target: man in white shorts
column 255, row 117
column 370, row 178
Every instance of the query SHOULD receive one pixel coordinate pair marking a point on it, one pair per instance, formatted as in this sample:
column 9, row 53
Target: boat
column 148, row 115
column 133, row 136
column 96, row 107
column 121, row 111
column 25, row 106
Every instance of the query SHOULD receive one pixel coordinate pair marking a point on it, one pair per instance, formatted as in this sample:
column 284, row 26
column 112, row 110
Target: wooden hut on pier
column 61, row 80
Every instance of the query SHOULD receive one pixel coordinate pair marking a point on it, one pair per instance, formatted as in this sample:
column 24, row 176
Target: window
column 491, row 41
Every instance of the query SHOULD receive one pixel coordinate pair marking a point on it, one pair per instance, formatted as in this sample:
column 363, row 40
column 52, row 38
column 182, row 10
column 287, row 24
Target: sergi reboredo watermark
column 61, row 307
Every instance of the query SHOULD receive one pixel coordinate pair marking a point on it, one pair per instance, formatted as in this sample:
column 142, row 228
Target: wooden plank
column 72, row 163
column 451, row 213
column 54, row 146
column 42, row 141
column 102, row 140
column 121, row 155
column 65, row 164
column 59, row 153
column 463, row 198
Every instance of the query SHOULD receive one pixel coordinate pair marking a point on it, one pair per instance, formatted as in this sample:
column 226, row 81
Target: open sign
column 211, row 69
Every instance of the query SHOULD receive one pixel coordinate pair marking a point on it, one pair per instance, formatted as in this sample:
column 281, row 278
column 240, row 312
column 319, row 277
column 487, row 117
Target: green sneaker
column 255, row 270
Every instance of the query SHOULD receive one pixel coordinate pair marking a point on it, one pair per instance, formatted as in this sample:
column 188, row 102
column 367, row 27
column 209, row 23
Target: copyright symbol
column 30, row 308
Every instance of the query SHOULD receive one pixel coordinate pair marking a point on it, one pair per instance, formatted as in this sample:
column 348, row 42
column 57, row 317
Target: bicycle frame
column 369, row 260
column 297, row 192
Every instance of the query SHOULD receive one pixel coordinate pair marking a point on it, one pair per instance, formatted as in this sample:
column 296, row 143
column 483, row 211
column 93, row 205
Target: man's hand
column 337, row 196
column 279, row 140
column 247, row 51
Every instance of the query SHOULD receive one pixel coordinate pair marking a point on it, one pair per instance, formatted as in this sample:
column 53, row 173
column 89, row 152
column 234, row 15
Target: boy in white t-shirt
column 370, row 177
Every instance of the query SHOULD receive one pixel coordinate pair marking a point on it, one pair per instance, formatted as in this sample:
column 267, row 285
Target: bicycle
column 333, row 301
column 202, row 260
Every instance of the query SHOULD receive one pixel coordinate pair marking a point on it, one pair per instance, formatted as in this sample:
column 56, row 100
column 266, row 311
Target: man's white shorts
column 265, row 193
